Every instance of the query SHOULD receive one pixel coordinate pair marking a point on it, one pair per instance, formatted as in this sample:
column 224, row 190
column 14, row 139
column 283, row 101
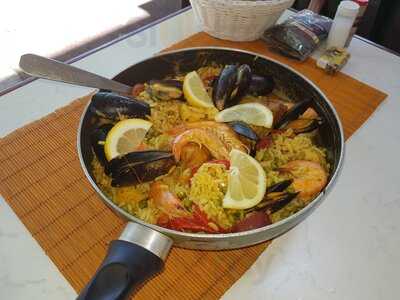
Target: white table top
column 347, row 249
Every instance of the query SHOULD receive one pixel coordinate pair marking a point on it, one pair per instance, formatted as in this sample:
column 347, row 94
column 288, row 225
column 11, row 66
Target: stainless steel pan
column 142, row 247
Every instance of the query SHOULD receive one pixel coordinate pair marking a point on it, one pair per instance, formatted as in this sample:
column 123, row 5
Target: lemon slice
column 195, row 92
column 125, row 137
column 246, row 182
column 250, row 113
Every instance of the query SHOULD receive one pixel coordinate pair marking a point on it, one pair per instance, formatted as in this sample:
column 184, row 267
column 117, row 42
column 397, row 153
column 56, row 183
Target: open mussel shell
column 275, row 197
column 279, row 187
column 243, row 129
column 276, row 201
column 224, row 86
column 303, row 125
column 293, row 113
column 243, row 79
column 261, row 85
column 165, row 89
column 97, row 140
column 231, row 85
column 139, row 166
column 114, row 107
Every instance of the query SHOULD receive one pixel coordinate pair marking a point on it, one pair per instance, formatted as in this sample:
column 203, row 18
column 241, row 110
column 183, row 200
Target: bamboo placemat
column 41, row 179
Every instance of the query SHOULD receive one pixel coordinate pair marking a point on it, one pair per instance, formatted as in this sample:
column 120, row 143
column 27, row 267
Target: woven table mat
column 41, row 179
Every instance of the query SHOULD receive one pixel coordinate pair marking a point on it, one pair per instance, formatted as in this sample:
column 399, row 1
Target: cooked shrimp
column 309, row 178
column 202, row 137
column 209, row 131
column 193, row 155
column 166, row 201
column 224, row 133
column 209, row 125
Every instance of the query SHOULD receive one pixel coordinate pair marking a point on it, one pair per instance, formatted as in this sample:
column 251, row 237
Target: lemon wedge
column 246, row 182
column 250, row 113
column 195, row 92
column 125, row 137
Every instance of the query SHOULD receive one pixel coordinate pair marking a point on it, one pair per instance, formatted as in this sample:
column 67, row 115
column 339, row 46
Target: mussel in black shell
column 139, row 166
column 114, row 107
column 293, row 113
column 279, row 187
column 231, row 85
column 261, row 85
column 303, row 125
column 243, row 129
column 97, row 140
column 275, row 197
column 165, row 89
column 276, row 201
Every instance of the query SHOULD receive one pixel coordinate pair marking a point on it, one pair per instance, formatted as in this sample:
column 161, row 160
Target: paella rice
column 190, row 198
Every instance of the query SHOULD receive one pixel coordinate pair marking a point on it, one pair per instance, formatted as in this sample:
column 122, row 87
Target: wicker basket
column 238, row 20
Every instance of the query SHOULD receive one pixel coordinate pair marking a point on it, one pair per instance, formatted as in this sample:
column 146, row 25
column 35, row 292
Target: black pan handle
column 137, row 255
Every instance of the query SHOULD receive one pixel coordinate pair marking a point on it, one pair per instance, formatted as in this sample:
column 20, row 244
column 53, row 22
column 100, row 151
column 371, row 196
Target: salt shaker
column 363, row 7
column 342, row 24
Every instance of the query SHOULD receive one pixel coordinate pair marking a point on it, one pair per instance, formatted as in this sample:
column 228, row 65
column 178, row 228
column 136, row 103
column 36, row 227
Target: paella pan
column 213, row 149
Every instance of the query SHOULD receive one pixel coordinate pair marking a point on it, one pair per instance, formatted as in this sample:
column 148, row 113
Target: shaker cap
column 348, row 8
column 361, row 2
